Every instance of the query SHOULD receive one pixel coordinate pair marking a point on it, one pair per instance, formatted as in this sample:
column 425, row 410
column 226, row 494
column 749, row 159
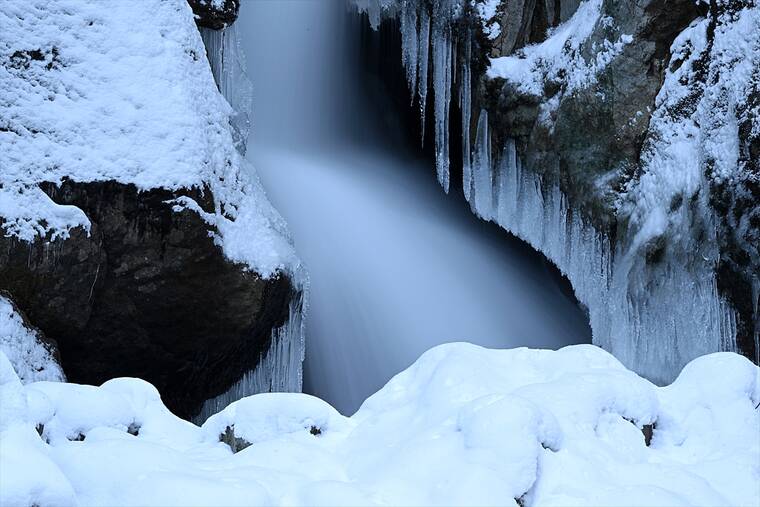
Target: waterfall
column 396, row 267
column 280, row 367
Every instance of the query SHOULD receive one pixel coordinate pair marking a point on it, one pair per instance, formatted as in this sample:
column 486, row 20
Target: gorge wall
column 620, row 139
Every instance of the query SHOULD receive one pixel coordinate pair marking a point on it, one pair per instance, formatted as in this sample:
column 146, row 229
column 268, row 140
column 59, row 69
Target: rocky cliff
column 134, row 233
column 620, row 139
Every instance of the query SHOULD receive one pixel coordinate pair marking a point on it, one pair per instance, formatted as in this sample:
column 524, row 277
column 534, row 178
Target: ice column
column 409, row 43
column 422, row 57
column 442, row 90
column 465, row 105
column 482, row 185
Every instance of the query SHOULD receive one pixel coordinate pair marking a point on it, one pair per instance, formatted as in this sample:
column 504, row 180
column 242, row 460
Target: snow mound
column 31, row 359
column 464, row 425
column 122, row 92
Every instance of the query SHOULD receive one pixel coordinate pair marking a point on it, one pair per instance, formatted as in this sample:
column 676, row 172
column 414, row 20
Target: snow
column 487, row 10
column 559, row 57
column 464, row 425
column 122, row 93
column 31, row 359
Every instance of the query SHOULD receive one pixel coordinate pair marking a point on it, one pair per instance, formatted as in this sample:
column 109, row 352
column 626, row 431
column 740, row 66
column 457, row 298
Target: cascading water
column 396, row 267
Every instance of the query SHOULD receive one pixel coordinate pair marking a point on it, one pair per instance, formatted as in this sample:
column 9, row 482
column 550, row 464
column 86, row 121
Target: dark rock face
column 146, row 294
column 213, row 14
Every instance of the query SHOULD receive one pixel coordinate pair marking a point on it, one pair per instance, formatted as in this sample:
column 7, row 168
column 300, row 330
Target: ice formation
column 463, row 425
column 228, row 68
column 655, row 319
column 427, row 49
column 280, row 368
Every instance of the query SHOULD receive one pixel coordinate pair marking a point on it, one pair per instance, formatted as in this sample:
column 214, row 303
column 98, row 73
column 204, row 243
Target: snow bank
column 122, row 92
column 31, row 359
column 463, row 425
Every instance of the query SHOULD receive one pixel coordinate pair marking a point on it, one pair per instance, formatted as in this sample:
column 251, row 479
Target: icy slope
column 462, row 426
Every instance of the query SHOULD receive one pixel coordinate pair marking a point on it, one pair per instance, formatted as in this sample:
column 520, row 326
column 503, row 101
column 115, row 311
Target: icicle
column 482, row 202
column 506, row 206
column 229, row 70
column 465, row 104
column 442, row 90
column 280, row 368
column 424, row 49
column 756, row 314
column 409, row 43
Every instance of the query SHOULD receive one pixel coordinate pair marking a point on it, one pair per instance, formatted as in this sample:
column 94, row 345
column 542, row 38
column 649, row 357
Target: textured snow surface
column 30, row 358
column 122, row 91
column 463, row 425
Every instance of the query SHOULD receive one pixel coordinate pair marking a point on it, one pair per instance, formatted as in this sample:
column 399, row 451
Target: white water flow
column 396, row 266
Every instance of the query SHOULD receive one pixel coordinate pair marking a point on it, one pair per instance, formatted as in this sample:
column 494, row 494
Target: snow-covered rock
column 133, row 233
column 464, row 425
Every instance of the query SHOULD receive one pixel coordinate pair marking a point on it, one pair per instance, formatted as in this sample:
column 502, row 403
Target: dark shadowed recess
column 145, row 294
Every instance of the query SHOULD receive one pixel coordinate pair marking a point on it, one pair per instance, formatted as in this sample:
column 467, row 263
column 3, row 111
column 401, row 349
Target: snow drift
column 464, row 425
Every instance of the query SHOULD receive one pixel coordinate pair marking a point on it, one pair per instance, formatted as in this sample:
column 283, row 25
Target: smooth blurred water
column 396, row 266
